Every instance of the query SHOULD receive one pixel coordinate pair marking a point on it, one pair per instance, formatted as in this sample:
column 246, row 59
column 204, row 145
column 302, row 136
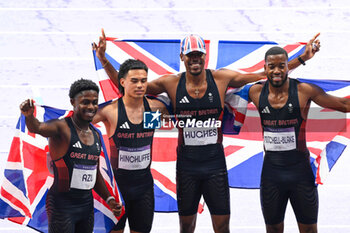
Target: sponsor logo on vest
column 266, row 110
column 125, row 125
column 184, row 100
column 77, row 145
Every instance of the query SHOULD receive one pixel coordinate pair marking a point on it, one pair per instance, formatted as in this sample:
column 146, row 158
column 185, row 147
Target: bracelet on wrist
column 109, row 198
column 104, row 65
column 301, row 61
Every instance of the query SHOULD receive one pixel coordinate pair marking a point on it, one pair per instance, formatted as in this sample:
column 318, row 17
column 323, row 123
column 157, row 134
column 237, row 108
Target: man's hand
column 101, row 47
column 312, row 47
column 27, row 107
column 115, row 207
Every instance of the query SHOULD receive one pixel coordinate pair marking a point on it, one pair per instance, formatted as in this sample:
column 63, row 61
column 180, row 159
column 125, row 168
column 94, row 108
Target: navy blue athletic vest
column 284, row 128
column 131, row 153
column 73, row 172
column 200, row 147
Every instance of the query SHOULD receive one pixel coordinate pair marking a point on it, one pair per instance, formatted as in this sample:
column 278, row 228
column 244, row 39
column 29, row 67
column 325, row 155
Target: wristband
column 103, row 66
column 301, row 61
column 109, row 198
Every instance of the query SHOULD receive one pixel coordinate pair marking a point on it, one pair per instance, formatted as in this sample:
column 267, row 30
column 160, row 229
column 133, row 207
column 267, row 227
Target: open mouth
column 195, row 65
column 90, row 114
column 277, row 79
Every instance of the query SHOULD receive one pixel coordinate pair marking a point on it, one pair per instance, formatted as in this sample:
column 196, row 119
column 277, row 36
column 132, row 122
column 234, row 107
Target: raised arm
column 320, row 97
column 311, row 48
column 236, row 79
column 46, row 129
column 101, row 55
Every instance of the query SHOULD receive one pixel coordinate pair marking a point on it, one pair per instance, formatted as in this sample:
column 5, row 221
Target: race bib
column 134, row 158
column 282, row 139
column 200, row 136
column 83, row 176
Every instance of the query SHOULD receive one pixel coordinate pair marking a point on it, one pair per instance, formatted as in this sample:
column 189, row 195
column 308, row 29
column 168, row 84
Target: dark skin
column 196, row 86
column 85, row 106
column 276, row 70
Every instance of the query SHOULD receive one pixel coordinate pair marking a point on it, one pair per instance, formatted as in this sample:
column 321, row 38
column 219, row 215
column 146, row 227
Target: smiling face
column 85, row 104
column 276, row 69
column 194, row 62
column 135, row 83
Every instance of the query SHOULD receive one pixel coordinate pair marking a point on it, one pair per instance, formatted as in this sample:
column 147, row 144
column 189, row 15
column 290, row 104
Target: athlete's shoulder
column 58, row 122
column 110, row 104
column 156, row 104
column 258, row 86
column 303, row 85
column 107, row 111
column 255, row 90
column 169, row 78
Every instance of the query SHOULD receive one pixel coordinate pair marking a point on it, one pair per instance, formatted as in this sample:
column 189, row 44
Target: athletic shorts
column 69, row 218
column 213, row 187
column 296, row 184
column 139, row 212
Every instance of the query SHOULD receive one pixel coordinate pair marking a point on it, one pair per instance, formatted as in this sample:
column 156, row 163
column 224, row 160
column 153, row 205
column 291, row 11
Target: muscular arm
column 311, row 48
column 156, row 86
column 236, row 79
column 320, row 97
column 101, row 189
column 109, row 116
column 46, row 129
column 254, row 93
column 101, row 55
column 157, row 105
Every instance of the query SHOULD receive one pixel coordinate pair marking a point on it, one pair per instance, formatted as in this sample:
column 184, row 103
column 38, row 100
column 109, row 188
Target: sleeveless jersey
column 76, row 171
column 199, row 124
column 131, row 153
column 284, row 128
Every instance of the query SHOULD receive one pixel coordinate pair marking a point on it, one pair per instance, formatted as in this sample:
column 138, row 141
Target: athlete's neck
column 132, row 102
column 80, row 124
column 196, row 80
column 279, row 90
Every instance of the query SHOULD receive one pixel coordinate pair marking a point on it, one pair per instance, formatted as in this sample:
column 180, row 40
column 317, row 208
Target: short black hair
column 130, row 64
column 275, row 51
column 82, row 85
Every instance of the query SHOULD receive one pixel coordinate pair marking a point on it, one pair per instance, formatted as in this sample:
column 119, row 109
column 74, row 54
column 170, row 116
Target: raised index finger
column 314, row 38
column 103, row 33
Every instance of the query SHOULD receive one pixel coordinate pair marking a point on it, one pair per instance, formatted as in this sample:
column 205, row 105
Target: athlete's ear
column 122, row 82
column 182, row 56
column 72, row 101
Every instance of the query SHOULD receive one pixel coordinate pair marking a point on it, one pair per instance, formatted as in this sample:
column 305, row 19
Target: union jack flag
column 244, row 152
column 27, row 178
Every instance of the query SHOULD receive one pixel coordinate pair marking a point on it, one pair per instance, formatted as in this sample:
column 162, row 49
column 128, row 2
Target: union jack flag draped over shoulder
column 27, row 178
